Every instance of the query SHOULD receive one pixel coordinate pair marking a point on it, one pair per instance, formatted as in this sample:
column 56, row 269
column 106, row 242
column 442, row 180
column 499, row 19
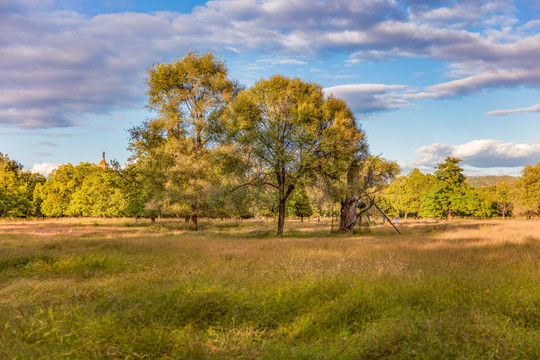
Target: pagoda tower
column 103, row 163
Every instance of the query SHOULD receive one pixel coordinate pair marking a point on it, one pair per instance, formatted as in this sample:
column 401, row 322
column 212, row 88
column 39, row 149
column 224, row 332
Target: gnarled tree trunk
column 349, row 205
column 348, row 215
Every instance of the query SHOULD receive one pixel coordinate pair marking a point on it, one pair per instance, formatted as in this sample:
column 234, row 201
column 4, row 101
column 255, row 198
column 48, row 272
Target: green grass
column 97, row 289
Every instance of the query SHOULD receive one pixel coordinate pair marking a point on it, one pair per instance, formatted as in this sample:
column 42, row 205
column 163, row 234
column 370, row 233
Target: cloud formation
column 367, row 98
column 534, row 108
column 57, row 66
column 482, row 153
column 44, row 168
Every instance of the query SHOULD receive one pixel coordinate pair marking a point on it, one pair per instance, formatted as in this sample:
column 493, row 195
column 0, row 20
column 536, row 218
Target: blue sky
column 426, row 79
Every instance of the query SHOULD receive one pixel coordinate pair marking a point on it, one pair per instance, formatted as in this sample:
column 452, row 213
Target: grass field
column 94, row 289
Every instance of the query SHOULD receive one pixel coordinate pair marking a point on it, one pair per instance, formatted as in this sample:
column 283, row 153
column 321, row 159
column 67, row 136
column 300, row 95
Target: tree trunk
column 283, row 195
column 281, row 214
column 348, row 207
column 193, row 217
column 348, row 215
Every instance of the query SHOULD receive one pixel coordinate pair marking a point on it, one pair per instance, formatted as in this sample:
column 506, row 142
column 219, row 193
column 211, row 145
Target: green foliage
column 55, row 195
column 447, row 198
column 15, row 195
column 7, row 164
column 100, row 194
column 187, row 93
column 527, row 191
column 301, row 204
column 405, row 193
column 16, row 189
column 89, row 190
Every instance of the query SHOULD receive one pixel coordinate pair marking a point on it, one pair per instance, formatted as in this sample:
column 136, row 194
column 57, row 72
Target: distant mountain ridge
column 479, row 181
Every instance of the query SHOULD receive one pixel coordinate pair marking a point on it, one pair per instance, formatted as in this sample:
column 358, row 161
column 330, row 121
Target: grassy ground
column 94, row 289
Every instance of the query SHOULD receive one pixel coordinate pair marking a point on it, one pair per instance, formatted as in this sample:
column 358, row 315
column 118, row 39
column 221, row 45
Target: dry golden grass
column 98, row 288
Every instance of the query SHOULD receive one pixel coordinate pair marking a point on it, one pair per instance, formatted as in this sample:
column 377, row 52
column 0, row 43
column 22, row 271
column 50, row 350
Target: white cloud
column 498, row 78
column 534, row 108
column 281, row 61
column 482, row 153
column 44, row 168
column 47, row 143
column 370, row 97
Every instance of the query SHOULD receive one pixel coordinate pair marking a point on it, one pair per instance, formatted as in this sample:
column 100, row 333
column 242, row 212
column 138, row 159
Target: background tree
column 405, row 193
column 15, row 195
column 102, row 192
column 17, row 189
column 56, row 194
column 301, row 204
column 288, row 131
column 502, row 199
column 527, row 192
column 447, row 197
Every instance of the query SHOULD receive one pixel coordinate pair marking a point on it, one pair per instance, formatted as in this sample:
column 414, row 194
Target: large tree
column 288, row 131
column 188, row 95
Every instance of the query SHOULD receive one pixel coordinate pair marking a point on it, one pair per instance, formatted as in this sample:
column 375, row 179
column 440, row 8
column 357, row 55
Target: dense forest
column 279, row 149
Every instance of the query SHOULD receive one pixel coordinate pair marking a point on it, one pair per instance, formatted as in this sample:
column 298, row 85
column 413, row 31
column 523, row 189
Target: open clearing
column 95, row 288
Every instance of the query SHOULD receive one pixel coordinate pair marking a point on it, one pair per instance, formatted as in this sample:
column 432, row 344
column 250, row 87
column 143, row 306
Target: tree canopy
column 289, row 131
column 188, row 95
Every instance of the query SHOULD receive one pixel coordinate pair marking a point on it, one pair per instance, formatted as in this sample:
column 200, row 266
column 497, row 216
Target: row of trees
column 89, row 190
column 445, row 194
column 217, row 149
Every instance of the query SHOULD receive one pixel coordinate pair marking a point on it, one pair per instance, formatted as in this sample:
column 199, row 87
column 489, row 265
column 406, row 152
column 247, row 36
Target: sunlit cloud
column 482, row 153
column 534, row 108
column 44, row 168
column 364, row 98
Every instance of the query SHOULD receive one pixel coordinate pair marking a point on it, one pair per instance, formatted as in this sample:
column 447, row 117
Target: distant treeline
column 478, row 181
column 88, row 190
column 449, row 193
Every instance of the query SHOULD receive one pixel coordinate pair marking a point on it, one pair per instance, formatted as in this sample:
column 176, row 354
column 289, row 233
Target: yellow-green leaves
column 291, row 132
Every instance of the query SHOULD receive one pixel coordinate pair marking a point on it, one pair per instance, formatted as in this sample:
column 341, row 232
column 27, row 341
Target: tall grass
column 114, row 289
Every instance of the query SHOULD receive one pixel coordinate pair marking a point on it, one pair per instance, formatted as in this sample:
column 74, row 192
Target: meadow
column 102, row 288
